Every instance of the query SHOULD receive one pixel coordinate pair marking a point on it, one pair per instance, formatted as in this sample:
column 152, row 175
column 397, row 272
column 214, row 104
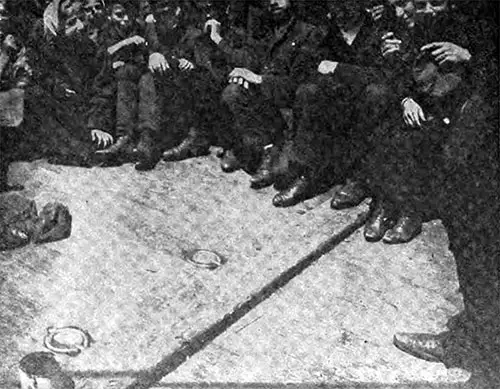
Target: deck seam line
column 198, row 342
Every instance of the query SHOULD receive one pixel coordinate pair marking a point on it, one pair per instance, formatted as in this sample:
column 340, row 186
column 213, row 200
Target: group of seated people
column 396, row 100
column 376, row 97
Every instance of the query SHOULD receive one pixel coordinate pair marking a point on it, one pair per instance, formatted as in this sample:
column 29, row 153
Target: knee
column 232, row 94
column 306, row 92
column 376, row 93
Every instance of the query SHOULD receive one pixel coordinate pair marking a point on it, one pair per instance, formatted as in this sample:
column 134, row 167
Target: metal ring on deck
column 67, row 340
column 206, row 259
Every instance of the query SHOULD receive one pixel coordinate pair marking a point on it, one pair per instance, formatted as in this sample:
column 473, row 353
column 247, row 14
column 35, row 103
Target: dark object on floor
column 21, row 224
column 36, row 369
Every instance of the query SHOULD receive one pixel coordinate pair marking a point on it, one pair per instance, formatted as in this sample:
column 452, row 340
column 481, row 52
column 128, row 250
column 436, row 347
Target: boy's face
column 120, row 17
column 280, row 9
column 74, row 24
column 418, row 11
column 347, row 13
column 94, row 9
column 69, row 7
column 405, row 10
column 168, row 15
column 432, row 7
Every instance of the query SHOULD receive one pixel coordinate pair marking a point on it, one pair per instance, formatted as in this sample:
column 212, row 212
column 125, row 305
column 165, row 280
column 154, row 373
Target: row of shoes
column 147, row 154
column 383, row 224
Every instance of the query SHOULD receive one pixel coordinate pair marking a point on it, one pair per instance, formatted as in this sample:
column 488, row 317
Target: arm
column 136, row 39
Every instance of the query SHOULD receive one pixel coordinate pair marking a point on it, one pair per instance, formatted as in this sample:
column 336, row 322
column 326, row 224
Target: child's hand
column 158, row 63
column 185, row 65
column 102, row 138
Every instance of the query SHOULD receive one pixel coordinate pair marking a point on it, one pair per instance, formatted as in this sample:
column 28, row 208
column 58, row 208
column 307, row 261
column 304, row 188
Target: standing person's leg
column 469, row 204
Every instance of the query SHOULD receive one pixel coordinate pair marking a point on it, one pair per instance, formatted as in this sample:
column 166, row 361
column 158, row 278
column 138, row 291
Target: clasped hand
column 158, row 63
column 244, row 77
column 102, row 138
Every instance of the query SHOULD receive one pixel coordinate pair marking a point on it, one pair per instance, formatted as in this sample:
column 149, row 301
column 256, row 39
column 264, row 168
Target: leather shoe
column 229, row 163
column 296, row 193
column 379, row 222
column 428, row 347
column 148, row 152
column 350, row 195
column 407, row 228
column 191, row 147
column 264, row 176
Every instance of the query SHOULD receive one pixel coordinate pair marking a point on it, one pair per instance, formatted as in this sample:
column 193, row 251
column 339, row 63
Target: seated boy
column 124, row 78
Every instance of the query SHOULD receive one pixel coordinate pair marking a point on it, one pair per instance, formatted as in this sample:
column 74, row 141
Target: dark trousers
column 257, row 120
column 7, row 146
column 333, row 117
column 191, row 100
column 470, row 210
column 406, row 166
column 452, row 172
column 136, row 102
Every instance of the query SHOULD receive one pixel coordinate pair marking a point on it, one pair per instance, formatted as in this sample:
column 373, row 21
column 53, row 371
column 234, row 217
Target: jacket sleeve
column 241, row 49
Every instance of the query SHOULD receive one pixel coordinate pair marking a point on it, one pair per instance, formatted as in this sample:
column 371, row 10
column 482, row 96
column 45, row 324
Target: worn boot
column 379, row 222
column 194, row 145
column 264, row 176
column 148, row 152
column 229, row 163
column 428, row 347
column 406, row 229
column 300, row 189
column 350, row 195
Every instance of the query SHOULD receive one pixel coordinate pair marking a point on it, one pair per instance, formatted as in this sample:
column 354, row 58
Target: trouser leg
column 257, row 121
column 126, row 107
column 148, row 108
column 470, row 208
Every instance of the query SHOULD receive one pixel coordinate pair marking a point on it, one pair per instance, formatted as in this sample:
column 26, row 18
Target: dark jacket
column 364, row 50
column 60, row 65
column 290, row 58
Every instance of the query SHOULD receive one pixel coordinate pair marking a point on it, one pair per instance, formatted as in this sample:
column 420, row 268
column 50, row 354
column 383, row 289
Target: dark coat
column 291, row 57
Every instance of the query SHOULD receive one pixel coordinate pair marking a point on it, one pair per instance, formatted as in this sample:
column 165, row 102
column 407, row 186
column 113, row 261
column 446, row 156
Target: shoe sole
column 417, row 233
column 420, row 355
